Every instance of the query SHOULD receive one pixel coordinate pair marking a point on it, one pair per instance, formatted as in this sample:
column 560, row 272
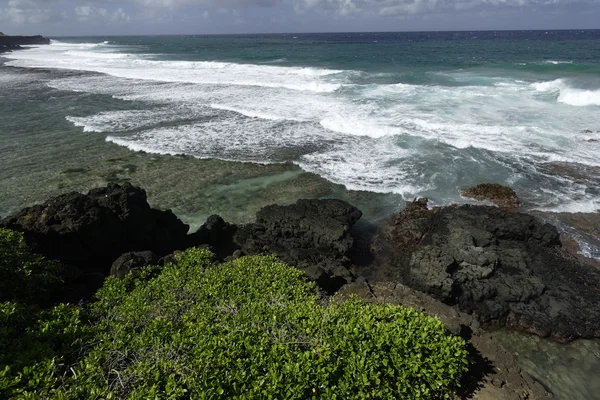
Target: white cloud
column 89, row 13
column 120, row 16
column 31, row 12
column 404, row 7
column 24, row 11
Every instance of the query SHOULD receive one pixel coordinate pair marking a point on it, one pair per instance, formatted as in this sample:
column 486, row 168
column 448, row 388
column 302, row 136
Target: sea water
column 416, row 114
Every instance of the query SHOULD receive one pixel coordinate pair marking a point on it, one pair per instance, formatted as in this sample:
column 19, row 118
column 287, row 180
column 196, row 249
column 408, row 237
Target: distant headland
column 8, row 43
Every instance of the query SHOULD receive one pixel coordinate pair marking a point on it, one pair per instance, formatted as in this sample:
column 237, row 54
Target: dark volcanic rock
column 8, row 43
column 23, row 40
column 92, row 230
column 131, row 261
column 313, row 235
column 502, row 196
column 503, row 266
column 217, row 234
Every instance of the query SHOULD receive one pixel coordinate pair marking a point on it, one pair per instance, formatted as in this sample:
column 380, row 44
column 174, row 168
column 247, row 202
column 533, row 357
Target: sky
column 148, row 17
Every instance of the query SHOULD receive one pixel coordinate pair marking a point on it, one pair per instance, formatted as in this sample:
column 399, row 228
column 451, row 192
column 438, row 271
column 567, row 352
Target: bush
column 37, row 348
column 36, row 345
column 25, row 276
column 250, row 328
column 255, row 328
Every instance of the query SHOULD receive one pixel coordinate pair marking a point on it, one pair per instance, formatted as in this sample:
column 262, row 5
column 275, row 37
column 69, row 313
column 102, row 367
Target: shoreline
column 194, row 188
column 507, row 382
column 91, row 161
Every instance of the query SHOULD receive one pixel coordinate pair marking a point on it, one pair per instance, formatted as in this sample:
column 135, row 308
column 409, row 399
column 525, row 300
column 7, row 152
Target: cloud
column 87, row 13
column 404, row 7
column 24, row 11
column 28, row 13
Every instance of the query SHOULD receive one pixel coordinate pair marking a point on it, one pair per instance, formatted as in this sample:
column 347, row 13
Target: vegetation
column 249, row 328
column 26, row 277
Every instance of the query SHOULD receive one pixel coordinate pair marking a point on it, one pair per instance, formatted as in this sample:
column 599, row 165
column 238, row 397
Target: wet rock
column 132, row 261
column 504, row 267
column 580, row 234
column 91, row 230
column 580, row 173
column 313, row 235
column 502, row 196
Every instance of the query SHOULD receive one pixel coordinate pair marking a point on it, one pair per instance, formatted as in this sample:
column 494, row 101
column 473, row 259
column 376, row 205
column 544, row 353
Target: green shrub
column 250, row 328
column 25, row 276
column 37, row 348
column 255, row 328
column 36, row 345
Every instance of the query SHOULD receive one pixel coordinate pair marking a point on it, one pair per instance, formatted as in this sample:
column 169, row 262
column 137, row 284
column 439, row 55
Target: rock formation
column 502, row 196
column 313, row 235
column 91, row 230
column 8, row 43
column 505, row 267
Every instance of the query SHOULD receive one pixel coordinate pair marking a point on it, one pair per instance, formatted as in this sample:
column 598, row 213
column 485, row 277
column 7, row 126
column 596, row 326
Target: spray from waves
column 553, row 62
column 83, row 57
column 57, row 43
column 569, row 95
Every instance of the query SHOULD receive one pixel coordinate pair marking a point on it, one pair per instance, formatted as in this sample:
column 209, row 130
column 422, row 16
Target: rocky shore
column 9, row 43
column 474, row 267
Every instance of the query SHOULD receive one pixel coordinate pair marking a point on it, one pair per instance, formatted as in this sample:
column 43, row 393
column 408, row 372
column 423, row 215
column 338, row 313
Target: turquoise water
column 415, row 114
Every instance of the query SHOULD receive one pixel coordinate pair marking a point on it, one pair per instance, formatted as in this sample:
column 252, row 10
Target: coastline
column 193, row 188
column 497, row 374
column 45, row 160
column 10, row 43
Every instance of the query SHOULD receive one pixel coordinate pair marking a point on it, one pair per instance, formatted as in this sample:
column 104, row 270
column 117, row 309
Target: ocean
column 415, row 114
column 228, row 124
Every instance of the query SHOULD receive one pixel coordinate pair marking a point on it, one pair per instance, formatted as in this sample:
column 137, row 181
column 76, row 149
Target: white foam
column 58, row 44
column 85, row 57
column 570, row 95
column 128, row 120
column 253, row 113
column 375, row 165
column 578, row 97
column 574, row 206
column 557, row 62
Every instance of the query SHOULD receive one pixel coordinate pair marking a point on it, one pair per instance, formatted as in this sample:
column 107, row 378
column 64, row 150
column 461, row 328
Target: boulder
column 217, row 234
column 313, row 235
column 505, row 267
column 91, row 230
column 132, row 261
column 502, row 196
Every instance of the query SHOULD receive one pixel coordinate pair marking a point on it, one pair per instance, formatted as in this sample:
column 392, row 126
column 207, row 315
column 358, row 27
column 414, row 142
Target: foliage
column 250, row 328
column 26, row 276
column 37, row 347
